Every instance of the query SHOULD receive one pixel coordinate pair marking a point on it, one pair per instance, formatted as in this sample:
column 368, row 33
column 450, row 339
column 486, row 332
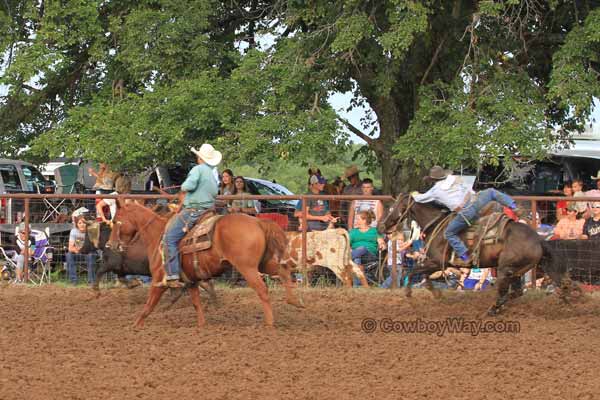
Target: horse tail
column 276, row 242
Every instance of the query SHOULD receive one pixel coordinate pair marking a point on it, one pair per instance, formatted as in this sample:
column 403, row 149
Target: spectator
column 104, row 178
column 318, row 214
column 475, row 278
column 355, row 186
column 367, row 204
column 20, row 241
column 591, row 228
column 570, row 227
column 401, row 247
column 335, row 188
column 596, row 191
column 226, row 188
column 245, row 206
column 76, row 240
column 581, row 206
column 365, row 240
column 313, row 171
column 122, row 186
column 561, row 206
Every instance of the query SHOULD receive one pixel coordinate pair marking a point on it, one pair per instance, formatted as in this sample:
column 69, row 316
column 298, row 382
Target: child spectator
column 20, row 241
column 591, row 228
column 570, row 227
column 561, row 206
column 401, row 247
column 76, row 241
column 581, row 206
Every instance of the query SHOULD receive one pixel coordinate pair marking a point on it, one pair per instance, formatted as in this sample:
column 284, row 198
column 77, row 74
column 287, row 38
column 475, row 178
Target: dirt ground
column 61, row 343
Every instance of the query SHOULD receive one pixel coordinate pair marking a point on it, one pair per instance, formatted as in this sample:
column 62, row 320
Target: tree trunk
column 394, row 114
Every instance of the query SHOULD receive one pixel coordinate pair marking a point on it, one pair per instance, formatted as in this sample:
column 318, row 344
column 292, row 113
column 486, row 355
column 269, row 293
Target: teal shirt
column 201, row 188
column 367, row 239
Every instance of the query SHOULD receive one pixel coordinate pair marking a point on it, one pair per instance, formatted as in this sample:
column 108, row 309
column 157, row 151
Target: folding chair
column 39, row 259
column 65, row 177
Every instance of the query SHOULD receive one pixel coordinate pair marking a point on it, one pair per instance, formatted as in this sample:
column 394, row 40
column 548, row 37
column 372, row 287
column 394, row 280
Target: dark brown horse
column 250, row 245
column 519, row 250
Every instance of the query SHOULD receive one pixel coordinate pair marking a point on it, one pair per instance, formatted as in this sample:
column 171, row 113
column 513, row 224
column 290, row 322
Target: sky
column 341, row 101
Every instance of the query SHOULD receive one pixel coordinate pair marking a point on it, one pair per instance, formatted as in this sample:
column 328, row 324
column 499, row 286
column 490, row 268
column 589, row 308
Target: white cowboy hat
column 208, row 154
column 597, row 177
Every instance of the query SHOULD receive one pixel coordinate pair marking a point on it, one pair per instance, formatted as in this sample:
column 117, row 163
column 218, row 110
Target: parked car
column 19, row 177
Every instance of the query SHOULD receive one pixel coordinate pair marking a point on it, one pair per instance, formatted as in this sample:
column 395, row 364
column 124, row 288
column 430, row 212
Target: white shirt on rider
column 452, row 192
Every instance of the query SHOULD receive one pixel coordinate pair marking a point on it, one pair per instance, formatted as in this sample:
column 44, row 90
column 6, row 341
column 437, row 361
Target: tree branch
column 433, row 60
column 356, row 131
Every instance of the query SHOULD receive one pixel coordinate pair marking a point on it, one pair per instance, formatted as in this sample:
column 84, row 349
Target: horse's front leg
column 153, row 298
column 503, row 286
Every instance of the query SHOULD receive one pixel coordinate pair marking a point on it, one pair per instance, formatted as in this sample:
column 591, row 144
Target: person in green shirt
column 200, row 189
column 365, row 240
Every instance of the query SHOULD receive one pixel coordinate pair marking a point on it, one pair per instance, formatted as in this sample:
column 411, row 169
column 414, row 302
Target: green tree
column 459, row 82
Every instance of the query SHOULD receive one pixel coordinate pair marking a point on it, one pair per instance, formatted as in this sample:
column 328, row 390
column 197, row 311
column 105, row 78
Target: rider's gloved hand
column 414, row 193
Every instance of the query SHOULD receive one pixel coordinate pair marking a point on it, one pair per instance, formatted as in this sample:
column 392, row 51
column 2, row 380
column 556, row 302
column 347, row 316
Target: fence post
column 394, row 265
column 304, row 230
column 534, row 225
column 26, row 248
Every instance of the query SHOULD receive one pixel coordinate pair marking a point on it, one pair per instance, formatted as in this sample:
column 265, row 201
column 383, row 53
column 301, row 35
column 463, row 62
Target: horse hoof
column 493, row 311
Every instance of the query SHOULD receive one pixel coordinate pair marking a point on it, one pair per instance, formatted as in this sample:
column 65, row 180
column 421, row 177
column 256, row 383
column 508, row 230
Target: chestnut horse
column 250, row 245
column 519, row 250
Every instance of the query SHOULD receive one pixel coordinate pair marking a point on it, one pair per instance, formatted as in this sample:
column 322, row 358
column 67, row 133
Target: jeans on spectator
column 469, row 214
column 20, row 261
column 357, row 255
column 176, row 229
column 388, row 281
column 90, row 260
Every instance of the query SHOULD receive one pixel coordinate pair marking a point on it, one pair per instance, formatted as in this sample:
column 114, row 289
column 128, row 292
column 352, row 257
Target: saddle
column 487, row 230
column 200, row 236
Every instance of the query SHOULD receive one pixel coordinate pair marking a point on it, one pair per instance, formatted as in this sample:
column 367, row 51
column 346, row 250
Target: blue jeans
column 470, row 213
column 388, row 281
column 73, row 258
column 357, row 255
column 176, row 229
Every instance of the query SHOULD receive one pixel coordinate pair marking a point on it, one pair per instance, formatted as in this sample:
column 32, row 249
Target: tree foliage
column 135, row 83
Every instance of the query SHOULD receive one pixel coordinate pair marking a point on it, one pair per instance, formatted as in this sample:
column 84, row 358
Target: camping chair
column 40, row 258
column 66, row 183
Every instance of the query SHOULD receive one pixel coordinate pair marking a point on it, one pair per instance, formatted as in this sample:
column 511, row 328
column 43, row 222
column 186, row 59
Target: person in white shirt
column 452, row 192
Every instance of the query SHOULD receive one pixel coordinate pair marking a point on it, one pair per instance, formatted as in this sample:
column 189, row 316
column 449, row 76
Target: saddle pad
column 491, row 227
column 199, row 238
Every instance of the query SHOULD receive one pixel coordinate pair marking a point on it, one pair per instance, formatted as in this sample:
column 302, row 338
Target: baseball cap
column 317, row 179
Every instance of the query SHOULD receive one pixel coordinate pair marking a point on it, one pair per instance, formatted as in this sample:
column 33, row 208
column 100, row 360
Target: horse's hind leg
column 153, row 298
column 516, row 287
column 256, row 282
column 195, row 296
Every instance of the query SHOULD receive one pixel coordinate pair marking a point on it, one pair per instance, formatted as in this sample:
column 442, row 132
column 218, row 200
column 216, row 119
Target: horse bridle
column 407, row 210
column 120, row 246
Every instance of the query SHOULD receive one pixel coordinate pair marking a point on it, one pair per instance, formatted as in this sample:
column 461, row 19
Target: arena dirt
column 62, row 343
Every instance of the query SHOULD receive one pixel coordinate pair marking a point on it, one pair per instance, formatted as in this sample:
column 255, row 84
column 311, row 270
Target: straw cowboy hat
column 208, row 154
column 438, row 173
column 595, row 178
column 351, row 170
